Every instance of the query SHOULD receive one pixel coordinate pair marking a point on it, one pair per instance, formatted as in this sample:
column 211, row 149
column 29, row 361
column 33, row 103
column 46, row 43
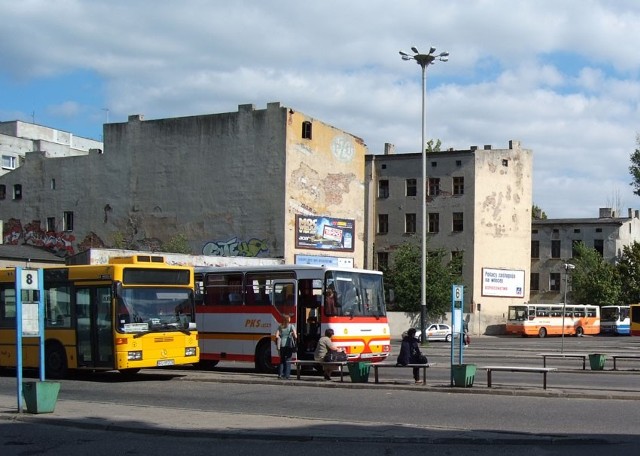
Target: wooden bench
column 308, row 362
column 622, row 356
column 541, row 370
column 584, row 357
column 378, row 365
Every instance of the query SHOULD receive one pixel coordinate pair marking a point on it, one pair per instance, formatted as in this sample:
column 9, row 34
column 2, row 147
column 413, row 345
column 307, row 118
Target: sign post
column 29, row 318
column 457, row 298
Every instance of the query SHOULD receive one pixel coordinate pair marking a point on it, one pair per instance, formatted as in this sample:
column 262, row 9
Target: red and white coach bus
column 238, row 310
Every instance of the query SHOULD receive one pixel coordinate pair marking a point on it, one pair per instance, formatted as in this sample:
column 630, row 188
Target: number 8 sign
column 29, row 279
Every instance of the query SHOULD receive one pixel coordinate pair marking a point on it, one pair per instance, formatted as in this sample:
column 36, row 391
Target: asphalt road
column 516, row 408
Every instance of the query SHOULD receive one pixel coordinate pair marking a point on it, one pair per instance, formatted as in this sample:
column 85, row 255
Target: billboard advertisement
column 505, row 283
column 324, row 233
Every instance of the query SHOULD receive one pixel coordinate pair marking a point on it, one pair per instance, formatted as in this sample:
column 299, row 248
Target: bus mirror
column 192, row 326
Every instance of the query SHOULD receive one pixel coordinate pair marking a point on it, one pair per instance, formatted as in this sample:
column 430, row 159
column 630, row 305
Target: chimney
column 389, row 149
column 474, row 147
column 606, row 212
column 630, row 213
column 136, row 118
column 487, row 147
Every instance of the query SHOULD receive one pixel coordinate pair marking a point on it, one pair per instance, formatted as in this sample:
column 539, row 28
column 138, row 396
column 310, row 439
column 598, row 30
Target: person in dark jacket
column 409, row 352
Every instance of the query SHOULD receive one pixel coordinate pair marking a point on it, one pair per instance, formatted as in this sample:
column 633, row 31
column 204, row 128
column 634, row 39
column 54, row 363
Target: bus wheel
column 129, row 372
column 579, row 331
column 542, row 333
column 55, row 361
column 263, row 358
column 207, row 364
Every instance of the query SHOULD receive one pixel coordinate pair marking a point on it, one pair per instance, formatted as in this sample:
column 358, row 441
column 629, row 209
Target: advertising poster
column 324, row 233
column 506, row 283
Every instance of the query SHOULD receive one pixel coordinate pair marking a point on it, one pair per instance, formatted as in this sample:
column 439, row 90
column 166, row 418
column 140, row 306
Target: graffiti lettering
column 235, row 247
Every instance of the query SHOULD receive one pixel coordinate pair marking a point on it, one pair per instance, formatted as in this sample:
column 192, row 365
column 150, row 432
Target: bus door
column 285, row 299
column 94, row 326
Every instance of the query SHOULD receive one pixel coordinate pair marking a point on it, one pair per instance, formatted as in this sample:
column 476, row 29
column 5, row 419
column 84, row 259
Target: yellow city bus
column 135, row 312
column 634, row 310
column 547, row 320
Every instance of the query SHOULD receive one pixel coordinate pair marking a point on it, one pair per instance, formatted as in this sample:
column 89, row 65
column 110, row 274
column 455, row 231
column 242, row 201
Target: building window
column 574, row 247
column 434, row 164
column 3, row 191
column 412, row 187
column 458, row 185
column 53, row 184
column 383, row 261
column 554, row 281
column 598, row 230
column 458, row 222
column 434, row 186
column 534, row 231
column 383, row 189
column 505, row 162
column 555, row 249
column 598, row 245
column 67, row 221
column 410, row 223
column 383, row 223
column 306, row 130
column 434, row 222
column 9, row 162
column 576, row 230
column 17, row 192
column 535, row 249
column 535, row 281
column 51, row 223
column 458, row 162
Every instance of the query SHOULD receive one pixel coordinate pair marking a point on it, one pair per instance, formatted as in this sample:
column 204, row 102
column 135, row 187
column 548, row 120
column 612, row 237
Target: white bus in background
column 615, row 320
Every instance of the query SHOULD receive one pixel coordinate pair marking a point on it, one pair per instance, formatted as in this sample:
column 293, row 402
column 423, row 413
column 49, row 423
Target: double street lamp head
column 425, row 59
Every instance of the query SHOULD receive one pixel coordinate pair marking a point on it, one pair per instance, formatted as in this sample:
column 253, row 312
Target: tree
column 404, row 277
column 433, row 146
column 537, row 213
column 594, row 281
column 634, row 169
column 629, row 273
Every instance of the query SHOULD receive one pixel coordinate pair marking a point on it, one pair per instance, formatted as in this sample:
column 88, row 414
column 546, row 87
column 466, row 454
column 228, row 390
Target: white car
column 437, row 331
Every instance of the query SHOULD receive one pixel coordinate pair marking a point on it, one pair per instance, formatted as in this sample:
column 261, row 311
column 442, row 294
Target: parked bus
column 135, row 312
column 634, row 311
column 238, row 310
column 615, row 320
column 546, row 320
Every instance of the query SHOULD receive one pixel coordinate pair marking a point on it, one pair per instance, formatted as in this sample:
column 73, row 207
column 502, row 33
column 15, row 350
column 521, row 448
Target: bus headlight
column 190, row 351
column 134, row 355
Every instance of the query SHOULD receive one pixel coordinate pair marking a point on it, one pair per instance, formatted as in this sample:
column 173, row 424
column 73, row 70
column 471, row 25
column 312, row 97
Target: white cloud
column 561, row 77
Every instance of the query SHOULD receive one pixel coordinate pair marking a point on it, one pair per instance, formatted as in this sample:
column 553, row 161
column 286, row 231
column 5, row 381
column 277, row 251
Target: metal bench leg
column 298, row 369
column 544, row 361
column 544, row 380
column 488, row 378
column 424, row 375
column 614, row 363
column 375, row 373
column 341, row 373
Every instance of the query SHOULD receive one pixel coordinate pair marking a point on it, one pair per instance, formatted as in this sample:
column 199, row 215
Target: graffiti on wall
column 235, row 247
column 33, row 234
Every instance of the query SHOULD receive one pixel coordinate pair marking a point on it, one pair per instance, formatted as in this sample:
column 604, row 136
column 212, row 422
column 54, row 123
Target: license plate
column 166, row 362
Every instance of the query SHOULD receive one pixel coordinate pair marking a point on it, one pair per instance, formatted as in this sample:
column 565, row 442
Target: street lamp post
column 424, row 60
column 567, row 267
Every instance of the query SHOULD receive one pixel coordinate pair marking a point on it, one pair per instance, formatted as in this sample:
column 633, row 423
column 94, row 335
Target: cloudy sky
column 562, row 77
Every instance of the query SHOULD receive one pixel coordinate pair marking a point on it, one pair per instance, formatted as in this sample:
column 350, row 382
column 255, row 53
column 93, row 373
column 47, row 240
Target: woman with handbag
column 286, row 342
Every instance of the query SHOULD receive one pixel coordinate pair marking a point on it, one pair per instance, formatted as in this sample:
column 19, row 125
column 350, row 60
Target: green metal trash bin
column 40, row 397
column 359, row 372
column 463, row 374
column 597, row 361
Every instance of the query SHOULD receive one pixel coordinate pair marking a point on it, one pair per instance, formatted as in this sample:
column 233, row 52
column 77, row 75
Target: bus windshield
column 610, row 314
column 356, row 294
column 154, row 309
